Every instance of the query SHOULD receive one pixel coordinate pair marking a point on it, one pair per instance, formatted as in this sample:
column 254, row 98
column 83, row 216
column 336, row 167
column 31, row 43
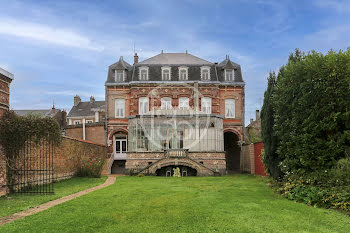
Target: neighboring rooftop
column 87, row 108
column 38, row 112
column 175, row 59
column 6, row 73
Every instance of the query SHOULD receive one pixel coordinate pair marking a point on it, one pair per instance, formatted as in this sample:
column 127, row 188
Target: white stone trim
column 183, row 68
column 203, row 68
column 147, row 72
column 164, row 68
column 6, row 73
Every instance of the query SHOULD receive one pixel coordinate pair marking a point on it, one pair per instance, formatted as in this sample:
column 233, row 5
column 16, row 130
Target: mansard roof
column 174, row 61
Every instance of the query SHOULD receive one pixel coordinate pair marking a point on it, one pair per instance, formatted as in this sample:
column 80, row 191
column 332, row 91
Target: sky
column 57, row 49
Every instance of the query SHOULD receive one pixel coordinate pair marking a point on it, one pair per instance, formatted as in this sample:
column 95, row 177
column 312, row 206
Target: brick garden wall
column 66, row 159
column 250, row 159
column 2, row 173
column 94, row 132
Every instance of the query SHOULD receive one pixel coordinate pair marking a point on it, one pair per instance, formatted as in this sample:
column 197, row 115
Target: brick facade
column 5, row 80
column 94, row 132
column 66, row 159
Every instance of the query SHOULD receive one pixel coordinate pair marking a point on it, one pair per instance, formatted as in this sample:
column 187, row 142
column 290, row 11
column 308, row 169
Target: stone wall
column 94, row 132
column 5, row 80
column 214, row 161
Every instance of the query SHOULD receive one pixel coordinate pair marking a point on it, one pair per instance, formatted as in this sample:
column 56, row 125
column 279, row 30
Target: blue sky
column 57, row 49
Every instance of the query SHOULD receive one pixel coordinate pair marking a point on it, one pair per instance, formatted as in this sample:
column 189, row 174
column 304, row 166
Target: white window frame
column 206, row 105
column 230, row 108
column 166, row 103
column 118, row 79
column 232, row 75
column 77, row 122
column 168, row 69
column 205, row 68
column 143, row 105
column 143, row 68
column 186, row 76
column 119, row 108
column 184, row 103
column 89, row 121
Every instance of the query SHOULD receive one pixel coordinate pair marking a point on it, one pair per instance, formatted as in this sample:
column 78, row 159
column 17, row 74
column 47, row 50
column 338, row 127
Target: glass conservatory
column 159, row 133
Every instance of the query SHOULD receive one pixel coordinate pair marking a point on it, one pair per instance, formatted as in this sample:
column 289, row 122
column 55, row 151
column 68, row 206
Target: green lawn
column 239, row 203
column 15, row 203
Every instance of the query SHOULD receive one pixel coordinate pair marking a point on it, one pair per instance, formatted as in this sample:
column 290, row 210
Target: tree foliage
column 16, row 130
column 270, row 158
column 306, row 114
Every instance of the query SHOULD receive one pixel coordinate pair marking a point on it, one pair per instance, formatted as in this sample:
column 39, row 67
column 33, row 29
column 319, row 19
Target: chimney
column 136, row 59
column 77, row 100
column 53, row 108
column 257, row 114
column 186, row 51
column 251, row 120
column 92, row 99
column 162, row 51
column 121, row 58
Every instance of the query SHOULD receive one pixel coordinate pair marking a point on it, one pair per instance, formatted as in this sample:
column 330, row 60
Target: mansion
column 174, row 110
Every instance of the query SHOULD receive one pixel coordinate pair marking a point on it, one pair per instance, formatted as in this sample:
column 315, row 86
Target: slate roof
column 86, row 108
column 174, row 61
column 38, row 112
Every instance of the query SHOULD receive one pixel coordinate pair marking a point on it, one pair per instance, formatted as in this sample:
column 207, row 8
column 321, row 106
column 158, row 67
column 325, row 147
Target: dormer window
column 143, row 73
column 229, row 75
column 119, row 75
column 183, row 73
column 166, row 73
column 205, row 73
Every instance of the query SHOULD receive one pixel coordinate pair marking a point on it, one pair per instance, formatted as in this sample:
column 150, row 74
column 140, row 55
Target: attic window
column 183, row 73
column 143, row 73
column 119, row 75
column 205, row 73
column 166, row 73
column 229, row 75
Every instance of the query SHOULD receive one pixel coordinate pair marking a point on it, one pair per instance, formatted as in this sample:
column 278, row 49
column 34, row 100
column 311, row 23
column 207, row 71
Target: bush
column 340, row 174
column 91, row 166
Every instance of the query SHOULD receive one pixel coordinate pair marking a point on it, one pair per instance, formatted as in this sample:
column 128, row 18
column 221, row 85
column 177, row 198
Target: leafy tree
column 310, row 111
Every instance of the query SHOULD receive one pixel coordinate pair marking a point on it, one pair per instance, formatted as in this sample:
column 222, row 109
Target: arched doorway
column 184, row 170
column 233, row 151
column 119, row 153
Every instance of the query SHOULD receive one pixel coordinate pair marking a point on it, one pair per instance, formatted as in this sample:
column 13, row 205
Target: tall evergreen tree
column 271, row 159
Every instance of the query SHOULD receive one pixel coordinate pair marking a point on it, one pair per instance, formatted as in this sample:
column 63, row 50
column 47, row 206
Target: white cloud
column 49, row 34
column 341, row 6
column 336, row 37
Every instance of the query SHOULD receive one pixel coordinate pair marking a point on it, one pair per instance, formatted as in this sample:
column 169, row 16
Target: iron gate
column 31, row 169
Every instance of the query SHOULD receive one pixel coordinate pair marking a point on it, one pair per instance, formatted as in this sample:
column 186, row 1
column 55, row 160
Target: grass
column 16, row 202
column 239, row 203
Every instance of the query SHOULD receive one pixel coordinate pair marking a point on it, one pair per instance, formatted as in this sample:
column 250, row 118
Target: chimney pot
column 136, row 59
column 77, row 100
column 257, row 114
column 251, row 120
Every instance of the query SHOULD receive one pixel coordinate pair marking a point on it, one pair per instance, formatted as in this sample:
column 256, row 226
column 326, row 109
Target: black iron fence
column 30, row 170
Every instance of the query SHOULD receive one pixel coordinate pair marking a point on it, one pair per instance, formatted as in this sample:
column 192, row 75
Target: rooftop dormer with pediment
column 174, row 67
